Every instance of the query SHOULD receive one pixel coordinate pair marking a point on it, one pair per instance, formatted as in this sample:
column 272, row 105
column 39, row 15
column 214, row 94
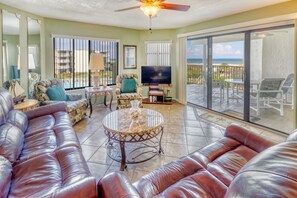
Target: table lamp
column 96, row 65
column 31, row 62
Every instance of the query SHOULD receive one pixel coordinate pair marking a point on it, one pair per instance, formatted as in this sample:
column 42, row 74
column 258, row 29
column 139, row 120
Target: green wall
column 62, row 27
column 124, row 35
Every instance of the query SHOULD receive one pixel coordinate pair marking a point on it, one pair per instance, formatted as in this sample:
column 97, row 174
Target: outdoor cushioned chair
column 76, row 104
column 269, row 92
column 286, row 87
column 127, row 89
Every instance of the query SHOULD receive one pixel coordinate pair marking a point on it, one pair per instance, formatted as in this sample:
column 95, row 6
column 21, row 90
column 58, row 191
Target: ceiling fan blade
column 178, row 7
column 131, row 8
column 146, row 1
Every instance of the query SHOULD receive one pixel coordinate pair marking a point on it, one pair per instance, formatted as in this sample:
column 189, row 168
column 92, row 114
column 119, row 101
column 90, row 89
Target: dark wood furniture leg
column 91, row 107
column 111, row 97
column 123, row 152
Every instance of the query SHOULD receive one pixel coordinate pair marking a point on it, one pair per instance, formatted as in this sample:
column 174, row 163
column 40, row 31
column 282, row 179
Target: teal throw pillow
column 128, row 85
column 56, row 93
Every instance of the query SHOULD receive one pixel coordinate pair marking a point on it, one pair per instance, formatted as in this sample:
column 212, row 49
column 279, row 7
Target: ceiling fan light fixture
column 150, row 10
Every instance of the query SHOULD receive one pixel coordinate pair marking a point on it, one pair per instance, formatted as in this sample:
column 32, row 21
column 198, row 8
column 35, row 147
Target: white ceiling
column 102, row 11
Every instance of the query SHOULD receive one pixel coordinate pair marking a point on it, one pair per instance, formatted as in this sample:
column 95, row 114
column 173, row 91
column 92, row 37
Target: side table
column 95, row 92
column 26, row 105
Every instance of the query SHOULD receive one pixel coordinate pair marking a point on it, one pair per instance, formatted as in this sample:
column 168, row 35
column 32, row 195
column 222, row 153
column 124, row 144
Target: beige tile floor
column 184, row 132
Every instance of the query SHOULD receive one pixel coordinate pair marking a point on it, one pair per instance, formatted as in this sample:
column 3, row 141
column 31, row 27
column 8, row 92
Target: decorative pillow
column 18, row 119
column 56, row 93
column 128, row 85
column 5, row 176
column 11, row 141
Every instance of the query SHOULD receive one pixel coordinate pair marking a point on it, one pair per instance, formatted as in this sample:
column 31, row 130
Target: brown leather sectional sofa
column 40, row 155
column 242, row 164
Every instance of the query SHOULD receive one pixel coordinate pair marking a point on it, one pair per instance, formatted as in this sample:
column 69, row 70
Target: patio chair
column 217, row 87
column 269, row 92
column 76, row 104
column 286, row 87
column 125, row 96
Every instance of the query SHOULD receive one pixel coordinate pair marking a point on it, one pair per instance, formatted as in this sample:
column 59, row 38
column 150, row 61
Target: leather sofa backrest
column 272, row 173
column 293, row 136
column 6, row 104
column 11, row 141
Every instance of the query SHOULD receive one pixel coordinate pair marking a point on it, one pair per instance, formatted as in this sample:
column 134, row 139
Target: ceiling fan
column 151, row 7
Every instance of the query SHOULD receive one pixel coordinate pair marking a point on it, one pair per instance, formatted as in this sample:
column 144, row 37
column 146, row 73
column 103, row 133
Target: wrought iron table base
column 148, row 146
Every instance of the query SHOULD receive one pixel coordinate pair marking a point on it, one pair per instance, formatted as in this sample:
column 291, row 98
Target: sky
column 223, row 50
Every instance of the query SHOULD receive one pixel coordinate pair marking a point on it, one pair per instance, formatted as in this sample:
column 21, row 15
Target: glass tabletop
column 120, row 122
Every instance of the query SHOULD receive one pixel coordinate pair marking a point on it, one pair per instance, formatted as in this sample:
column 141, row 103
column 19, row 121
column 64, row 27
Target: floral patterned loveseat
column 76, row 104
column 123, row 99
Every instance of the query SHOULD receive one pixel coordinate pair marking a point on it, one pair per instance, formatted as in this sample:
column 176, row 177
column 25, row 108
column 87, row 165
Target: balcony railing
column 220, row 72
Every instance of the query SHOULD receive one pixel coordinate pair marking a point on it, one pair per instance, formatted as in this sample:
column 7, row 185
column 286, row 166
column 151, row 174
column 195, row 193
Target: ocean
column 232, row 61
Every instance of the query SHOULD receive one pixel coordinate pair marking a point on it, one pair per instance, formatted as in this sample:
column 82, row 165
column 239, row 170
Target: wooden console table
column 156, row 92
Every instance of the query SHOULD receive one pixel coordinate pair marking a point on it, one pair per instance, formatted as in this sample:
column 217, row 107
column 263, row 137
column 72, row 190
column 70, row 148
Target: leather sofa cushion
column 5, row 176
column 48, row 140
column 18, row 119
column 48, row 122
column 224, row 158
column 62, row 173
column 47, row 133
column 200, row 184
column 272, row 173
column 178, row 177
column 6, row 101
column 11, row 141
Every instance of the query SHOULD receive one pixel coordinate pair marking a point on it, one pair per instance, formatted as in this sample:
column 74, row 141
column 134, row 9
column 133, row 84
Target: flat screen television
column 156, row 75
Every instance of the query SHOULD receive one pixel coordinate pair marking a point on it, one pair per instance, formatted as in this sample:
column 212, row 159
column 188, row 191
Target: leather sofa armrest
column 46, row 110
column 292, row 137
column 248, row 138
column 116, row 184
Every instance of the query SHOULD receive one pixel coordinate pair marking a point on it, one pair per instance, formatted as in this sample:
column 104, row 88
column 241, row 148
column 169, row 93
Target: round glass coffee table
column 133, row 142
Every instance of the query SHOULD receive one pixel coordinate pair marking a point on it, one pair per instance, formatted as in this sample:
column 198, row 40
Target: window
column 72, row 60
column 158, row 53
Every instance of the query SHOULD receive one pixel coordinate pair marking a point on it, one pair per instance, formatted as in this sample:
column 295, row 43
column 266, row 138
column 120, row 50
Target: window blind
column 158, row 53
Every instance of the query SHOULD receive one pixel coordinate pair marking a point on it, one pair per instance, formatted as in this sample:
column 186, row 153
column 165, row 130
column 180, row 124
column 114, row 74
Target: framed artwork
column 130, row 56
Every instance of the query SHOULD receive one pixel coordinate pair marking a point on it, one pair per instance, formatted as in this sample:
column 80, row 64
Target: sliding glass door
column 197, row 61
column 248, row 75
column 272, row 78
column 227, row 74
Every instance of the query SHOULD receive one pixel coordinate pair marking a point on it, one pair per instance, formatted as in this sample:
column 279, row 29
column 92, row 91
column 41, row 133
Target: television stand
column 156, row 95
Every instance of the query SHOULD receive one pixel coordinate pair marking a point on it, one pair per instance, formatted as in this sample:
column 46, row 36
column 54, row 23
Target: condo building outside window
column 71, row 60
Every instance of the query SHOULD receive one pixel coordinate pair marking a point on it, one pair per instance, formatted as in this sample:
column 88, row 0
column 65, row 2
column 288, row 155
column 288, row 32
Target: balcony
column 197, row 94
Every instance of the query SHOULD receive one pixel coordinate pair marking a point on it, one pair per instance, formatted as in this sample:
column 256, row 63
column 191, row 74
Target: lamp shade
column 31, row 62
column 96, row 62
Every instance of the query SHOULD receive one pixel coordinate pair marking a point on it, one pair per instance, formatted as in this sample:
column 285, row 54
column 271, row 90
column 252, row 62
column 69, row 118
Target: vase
column 135, row 111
